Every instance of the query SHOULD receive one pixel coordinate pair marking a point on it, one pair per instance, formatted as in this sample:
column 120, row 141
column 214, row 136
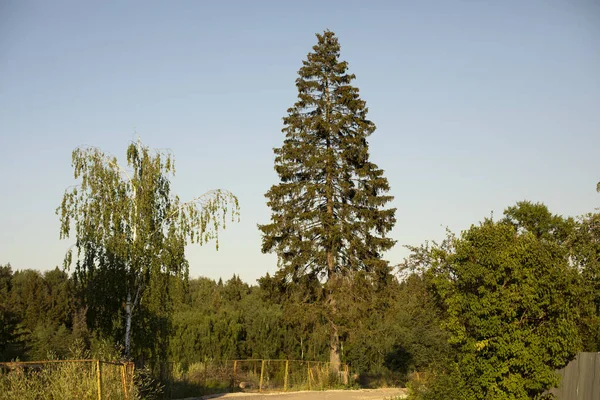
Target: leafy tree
column 394, row 333
column 306, row 333
column 211, row 323
column 328, row 217
column 38, row 313
column 131, row 231
column 235, row 290
column 578, row 241
column 416, row 320
column 265, row 327
column 8, row 318
column 537, row 219
column 60, row 297
column 29, row 298
column 49, row 340
column 190, row 321
column 585, row 246
column 510, row 303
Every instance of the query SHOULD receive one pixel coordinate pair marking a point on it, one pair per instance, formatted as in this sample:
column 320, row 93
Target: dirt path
column 362, row 394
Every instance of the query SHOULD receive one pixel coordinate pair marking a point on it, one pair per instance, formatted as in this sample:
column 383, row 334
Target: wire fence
column 254, row 375
column 67, row 379
column 101, row 380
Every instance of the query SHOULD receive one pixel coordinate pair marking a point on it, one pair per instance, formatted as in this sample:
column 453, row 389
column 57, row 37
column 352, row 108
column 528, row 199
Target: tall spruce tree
column 328, row 218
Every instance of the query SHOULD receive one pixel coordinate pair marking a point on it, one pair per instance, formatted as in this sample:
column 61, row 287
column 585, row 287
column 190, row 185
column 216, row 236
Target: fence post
column 346, row 375
column 285, row 377
column 132, row 376
column 99, row 379
column 123, row 382
column 262, row 371
column 308, row 375
column 328, row 375
column 234, row 371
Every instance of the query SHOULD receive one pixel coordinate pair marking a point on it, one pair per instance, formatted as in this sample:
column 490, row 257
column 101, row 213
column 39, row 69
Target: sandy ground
column 362, row 394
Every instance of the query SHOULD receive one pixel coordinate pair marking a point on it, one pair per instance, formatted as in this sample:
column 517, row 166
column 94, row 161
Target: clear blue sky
column 478, row 104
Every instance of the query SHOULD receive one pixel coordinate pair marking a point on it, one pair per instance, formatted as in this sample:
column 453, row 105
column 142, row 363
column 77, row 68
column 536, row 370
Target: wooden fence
column 580, row 378
column 251, row 375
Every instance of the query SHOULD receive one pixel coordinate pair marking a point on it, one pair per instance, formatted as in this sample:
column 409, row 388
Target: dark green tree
column 586, row 256
column 38, row 313
column 328, row 217
column 510, row 305
column 8, row 317
column 29, row 297
column 395, row 333
column 131, row 233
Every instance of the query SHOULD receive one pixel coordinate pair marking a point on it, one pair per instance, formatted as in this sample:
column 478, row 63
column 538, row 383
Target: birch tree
column 130, row 229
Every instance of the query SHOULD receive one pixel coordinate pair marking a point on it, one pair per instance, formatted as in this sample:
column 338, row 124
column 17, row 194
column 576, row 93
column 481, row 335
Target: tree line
column 386, row 333
column 487, row 313
column 496, row 308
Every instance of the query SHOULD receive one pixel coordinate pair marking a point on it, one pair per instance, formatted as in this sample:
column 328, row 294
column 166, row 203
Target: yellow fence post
column 308, row 374
column 346, row 374
column 99, row 379
column 132, row 374
column 234, row 371
column 262, row 371
column 285, row 377
column 124, row 382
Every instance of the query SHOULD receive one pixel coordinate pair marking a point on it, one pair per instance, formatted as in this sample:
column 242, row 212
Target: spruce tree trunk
column 334, row 351
column 334, row 337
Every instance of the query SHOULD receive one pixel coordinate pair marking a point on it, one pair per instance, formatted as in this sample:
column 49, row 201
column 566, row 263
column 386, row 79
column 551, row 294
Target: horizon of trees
column 408, row 325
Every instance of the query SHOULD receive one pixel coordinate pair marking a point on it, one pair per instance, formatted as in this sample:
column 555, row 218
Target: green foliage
column 537, row 219
column 328, row 217
column 230, row 321
column 510, row 303
column 330, row 197
column 393, row 332
column 38, row 310
column 9, row 321
column 131, row 233
column 577, row 240
column 585, row 254
column 206, row 325
column 388, row 331
column 63, row 380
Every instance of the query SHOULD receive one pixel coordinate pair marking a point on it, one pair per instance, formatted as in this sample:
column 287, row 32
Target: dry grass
column 60, row 380
column 64, row 379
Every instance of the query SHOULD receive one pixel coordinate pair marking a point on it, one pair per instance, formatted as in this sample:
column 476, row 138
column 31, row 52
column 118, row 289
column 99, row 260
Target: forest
column 490, row 312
